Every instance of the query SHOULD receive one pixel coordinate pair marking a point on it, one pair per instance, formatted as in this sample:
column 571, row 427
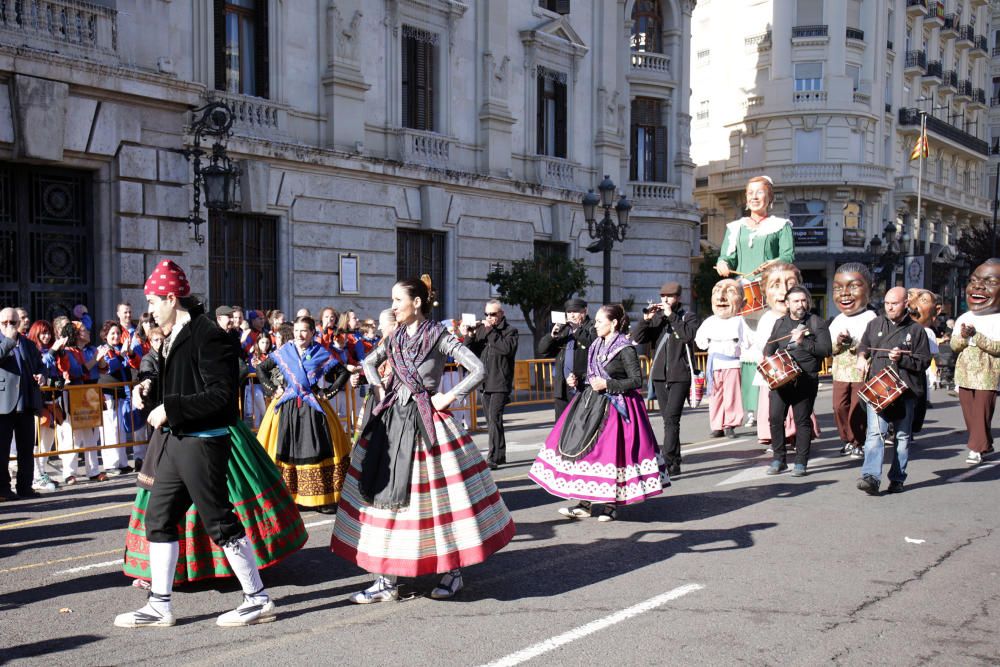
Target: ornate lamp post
column 217, row 180
column 606, row 231
column 885, row 259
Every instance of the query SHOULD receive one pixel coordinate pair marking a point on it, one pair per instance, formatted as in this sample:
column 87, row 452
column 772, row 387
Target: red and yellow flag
column 920, row 149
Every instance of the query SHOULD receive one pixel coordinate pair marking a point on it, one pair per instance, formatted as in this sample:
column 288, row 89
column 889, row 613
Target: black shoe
column 730, row 432
column 138, row 465
column 895, row 487
column 717, row 434
column 8, row 495
column 326, row 509
column 674, row 470
column 493, row 465
column 30, row 493
column 869, row 484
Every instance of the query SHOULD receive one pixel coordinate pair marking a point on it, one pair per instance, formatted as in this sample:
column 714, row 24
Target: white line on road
column 716, row 446
column 592, row 627
column 92, row 566
column 325, row 522
column 961, row 477
column 760, row 472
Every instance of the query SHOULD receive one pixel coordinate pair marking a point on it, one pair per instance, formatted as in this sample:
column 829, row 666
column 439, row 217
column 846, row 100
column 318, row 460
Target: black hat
column 223, row 311
column 575, row 305
column 671, row 289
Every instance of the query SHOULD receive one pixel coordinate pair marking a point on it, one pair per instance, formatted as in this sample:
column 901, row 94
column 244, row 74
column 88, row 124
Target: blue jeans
column 878, row 427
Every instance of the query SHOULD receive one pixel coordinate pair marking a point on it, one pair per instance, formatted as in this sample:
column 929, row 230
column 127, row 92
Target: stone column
column 344, row 85
column 495, row 118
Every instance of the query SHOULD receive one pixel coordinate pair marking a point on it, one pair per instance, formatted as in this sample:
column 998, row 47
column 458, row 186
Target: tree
column 975, row 244
column 538, row 285
column 703, row 281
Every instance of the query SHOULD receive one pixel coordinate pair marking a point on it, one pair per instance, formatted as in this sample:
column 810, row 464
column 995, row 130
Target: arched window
column 647, row 26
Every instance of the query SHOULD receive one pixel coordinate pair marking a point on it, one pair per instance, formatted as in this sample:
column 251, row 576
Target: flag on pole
column 920, row 149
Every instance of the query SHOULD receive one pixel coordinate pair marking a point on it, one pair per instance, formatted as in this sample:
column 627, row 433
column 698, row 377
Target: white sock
column 244, row 563
column 162, row 565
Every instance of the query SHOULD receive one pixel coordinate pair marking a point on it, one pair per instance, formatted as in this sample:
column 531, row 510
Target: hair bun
column 425, row 278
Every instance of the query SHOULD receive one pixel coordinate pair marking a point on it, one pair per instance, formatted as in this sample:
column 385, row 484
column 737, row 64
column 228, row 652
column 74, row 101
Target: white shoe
column 253, row 610
column 751, row 420
column 450, row 584
column 381, row 591
column 147, row 617
column 43, row 483
column 974, row 458
column 609, row 514
column 580, row 511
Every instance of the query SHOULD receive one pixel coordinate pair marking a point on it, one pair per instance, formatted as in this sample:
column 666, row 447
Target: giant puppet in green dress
column 749, row 247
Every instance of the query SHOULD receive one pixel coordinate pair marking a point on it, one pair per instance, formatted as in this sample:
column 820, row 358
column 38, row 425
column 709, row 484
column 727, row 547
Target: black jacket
column 671, row 364
column 337, row 377
column 625, row 372
column 199, row 379
column 811, row 351
column 584, row 335
column 496, row 347
column 883, row 333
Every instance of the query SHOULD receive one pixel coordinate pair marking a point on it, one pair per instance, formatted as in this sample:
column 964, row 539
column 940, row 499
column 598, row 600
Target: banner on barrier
column 85, row 406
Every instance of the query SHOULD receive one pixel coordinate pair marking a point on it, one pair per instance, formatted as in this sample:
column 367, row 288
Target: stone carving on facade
column 496, row 75
column 342, row 39
column 684, row 133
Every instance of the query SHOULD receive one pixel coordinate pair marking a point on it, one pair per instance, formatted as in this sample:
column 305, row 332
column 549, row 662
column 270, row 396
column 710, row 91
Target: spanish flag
column 920, row 149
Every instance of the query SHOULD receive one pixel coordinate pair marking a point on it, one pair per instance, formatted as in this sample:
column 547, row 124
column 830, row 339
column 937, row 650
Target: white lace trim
column 581, row 488
column 608, row 471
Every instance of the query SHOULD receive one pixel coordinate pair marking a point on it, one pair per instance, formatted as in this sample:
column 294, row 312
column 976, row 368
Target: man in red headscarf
column 199, row 384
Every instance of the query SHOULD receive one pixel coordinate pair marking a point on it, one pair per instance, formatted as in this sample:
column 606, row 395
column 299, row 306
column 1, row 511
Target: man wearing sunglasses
column 569, row 344
column 20, row 400
column 494, row 341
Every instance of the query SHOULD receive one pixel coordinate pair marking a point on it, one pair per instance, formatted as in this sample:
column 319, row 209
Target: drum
column 779, row 369
column 884, row 388
column 753, row 297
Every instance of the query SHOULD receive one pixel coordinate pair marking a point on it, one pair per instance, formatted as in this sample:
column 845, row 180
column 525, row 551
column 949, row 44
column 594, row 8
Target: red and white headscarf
column 167, row 278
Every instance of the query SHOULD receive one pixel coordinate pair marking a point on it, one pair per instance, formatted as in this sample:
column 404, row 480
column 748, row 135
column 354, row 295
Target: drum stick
column 886, row 349
column 775, row 340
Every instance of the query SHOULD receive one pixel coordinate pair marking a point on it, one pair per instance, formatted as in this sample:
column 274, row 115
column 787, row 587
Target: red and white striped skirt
column 455, row 518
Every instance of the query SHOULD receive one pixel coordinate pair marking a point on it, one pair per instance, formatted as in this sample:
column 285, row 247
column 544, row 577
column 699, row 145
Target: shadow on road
column 48, row 646
column 40, row 534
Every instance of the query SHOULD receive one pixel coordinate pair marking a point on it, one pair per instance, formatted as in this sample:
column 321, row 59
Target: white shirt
column 723, row 337
column 855, row 325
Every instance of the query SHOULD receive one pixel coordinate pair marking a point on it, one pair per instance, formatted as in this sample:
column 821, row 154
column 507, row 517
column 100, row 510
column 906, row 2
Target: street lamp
column 885, row 256
column 606, row 231
column 218, row 179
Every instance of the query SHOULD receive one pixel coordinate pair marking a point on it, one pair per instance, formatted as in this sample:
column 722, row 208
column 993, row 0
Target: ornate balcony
column 810, row 31
column 980, row 49
column 949, row 81
column 554, row 171
column 809, row 98
column 916, row 7
column 254, row 116
column 820, row 173
column 653, row 193
column 951, row 25
column 909, row 116
column 761, row 41
column 964, row 89
column 916, row 62
column 966, row 37
column 427, row 149
column 856, row 34
column 647, row 62
column 862, row 98
column 68, row 27
column 978, row 98
column 933, row 73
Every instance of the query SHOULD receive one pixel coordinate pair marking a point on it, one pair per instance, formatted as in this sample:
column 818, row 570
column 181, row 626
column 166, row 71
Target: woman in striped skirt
column 418, row 498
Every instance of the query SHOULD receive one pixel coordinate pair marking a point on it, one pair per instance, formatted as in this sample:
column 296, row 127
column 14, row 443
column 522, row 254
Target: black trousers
column 670, row 398
column 192, row 470
column 22, row 426
column 493, row 404
column 560, row 404
column 800, row 396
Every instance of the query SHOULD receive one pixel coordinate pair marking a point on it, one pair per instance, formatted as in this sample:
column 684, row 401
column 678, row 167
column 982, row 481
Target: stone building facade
column 437, row 136
column 825, row 97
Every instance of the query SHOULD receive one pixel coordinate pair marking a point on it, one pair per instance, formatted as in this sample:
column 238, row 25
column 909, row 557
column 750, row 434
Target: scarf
column 303, row 371
column 406, row 353
column 600, row 354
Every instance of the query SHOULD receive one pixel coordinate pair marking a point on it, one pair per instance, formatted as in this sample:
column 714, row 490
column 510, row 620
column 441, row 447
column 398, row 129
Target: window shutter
column 562, row 6
column 429, row 73
column 540, row 106
column 407, row 82
column 219, row 30
column 560, row 120
column 261, row 54
column 661, row 154
column 633, row 167
column 423, row 88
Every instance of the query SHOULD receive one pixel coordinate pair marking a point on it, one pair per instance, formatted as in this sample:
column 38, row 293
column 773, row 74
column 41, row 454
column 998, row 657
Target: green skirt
column 261, row 501
column 750, row 391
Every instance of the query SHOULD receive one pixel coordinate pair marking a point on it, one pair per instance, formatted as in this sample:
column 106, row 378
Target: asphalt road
column 727, row 567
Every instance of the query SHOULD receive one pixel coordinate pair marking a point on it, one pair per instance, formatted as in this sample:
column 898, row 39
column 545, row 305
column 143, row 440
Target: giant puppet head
column 852, row 288
column 924, row 306
column 778, row 279
column 727, row 298
column 983, row 291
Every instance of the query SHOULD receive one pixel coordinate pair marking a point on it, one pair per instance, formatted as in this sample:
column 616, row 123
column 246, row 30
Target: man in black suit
column 198, row 383
column 569, row 344
column 670, row 330
column 20, row 400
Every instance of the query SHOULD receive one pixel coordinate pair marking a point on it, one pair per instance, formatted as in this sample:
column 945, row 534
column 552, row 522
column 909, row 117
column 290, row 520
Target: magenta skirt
column 623, row 468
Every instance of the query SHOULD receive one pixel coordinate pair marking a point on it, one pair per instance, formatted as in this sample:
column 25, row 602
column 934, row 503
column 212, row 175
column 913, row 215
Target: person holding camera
column 494, row 341
column 670, row 330
column 568, row 343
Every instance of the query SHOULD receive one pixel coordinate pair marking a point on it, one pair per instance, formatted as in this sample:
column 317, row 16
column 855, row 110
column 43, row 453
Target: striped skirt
column 455, row 517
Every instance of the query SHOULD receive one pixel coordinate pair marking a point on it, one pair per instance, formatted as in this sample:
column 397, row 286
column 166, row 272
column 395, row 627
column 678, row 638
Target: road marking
column 716, row 446
column 92, row 566
column 961, row 477
column 325, row 522
column 59, row 517
column 59, row 560
column 757, row 472
column 594, row 626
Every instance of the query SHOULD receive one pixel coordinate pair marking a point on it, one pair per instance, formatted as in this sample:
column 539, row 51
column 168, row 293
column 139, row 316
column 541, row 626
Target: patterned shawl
column 600, row 354
column 303, row 372
column 406, row 353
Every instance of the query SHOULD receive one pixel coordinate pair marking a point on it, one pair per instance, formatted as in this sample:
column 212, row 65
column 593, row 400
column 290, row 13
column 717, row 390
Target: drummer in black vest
column 569, row 344
column 670, row 330
column 806, row 338
column 893, row 339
